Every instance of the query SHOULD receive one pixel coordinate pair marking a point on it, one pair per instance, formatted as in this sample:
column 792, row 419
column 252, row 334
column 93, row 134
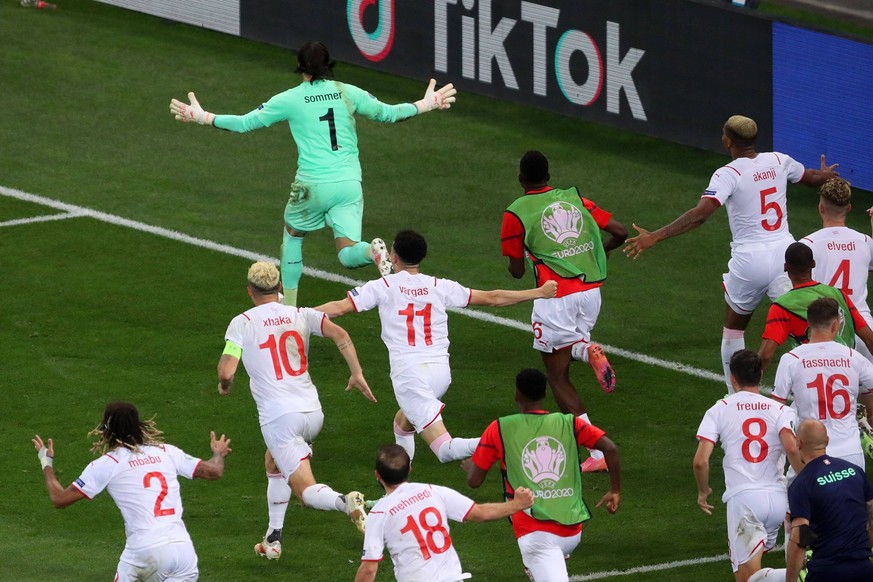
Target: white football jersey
column 275, row 352
column 412, row 522
column 145, row 489
column 843, row 258
column 412, row 309
column 825, row 379
column 748, row 426
column 753, row 191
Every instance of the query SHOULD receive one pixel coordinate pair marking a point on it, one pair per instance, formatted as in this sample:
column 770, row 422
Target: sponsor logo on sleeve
column 354, row 292
column 79, row 483
column 709, row 193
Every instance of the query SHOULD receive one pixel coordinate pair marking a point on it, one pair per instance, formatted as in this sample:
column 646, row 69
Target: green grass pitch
column 93, row 311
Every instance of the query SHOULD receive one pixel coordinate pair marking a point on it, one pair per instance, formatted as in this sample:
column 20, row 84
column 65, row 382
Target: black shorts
column 856, row 571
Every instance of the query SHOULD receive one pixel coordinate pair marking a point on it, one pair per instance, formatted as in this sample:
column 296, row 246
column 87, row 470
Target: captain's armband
column 231, row 349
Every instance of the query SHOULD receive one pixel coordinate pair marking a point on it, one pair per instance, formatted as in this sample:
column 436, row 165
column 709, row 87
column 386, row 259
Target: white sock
column 453, row 449
column 405, row 439
column 320, row 496
column 579, row 351
column 768, row 575
column 732, row 340
column 595, row 454
column 278, row 496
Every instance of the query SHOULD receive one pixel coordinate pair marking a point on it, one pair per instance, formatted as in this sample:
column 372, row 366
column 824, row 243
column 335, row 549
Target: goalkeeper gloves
column 193, row 112
column 439, row 99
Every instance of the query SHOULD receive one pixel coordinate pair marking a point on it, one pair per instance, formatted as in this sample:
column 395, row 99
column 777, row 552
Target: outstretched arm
column 690, row 220
column 59, row 496
column 818, row 177
column 344, row 344
column 214, row 467
column 336, row 308
column 503, row 298
column 522, row 500
column 701, row 474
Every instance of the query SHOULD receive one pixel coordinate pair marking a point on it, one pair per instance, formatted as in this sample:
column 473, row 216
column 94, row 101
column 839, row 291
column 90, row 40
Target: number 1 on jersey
column 331, row 125
column 411, row 314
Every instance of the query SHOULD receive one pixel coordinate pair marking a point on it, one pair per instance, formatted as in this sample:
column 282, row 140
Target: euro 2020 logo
column 544, row 460
column 375, row 45
column 562, row 222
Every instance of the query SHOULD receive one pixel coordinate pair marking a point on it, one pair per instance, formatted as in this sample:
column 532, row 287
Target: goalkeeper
column 327, row 188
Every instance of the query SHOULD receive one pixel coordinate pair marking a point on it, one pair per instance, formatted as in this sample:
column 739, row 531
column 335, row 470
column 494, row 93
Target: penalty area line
column 35, row 219
column 72, row 211
column 652, row 568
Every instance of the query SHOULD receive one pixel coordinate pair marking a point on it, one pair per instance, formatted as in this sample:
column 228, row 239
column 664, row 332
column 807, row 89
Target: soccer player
column 559, row 232
column 272, row 340
column 755, row 433
column 787, row 315
column 827, row 380
column 540, row 451
column 412, row 521
column 327, row 189
column 140, row 472
column 831, row 505
column 752, row 187
column 843, row 256
column 412, row 309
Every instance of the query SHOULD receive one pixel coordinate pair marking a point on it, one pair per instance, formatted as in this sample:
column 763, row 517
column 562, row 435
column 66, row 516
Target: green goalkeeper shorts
column 339, row 205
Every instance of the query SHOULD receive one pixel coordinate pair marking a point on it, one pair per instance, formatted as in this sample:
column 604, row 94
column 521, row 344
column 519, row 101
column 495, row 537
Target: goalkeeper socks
column 595, row 454
column 320, row 496
column 357, row 255
column 732, row 340
column 278, row 496
column 448, row 449
column 405, row 439
column 292, row 265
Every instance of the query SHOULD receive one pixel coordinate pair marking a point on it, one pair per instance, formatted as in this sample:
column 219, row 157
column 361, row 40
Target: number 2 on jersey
column 427, row 542
column 279, row 354
column 331, row 126
column 411, row 314
column 766, row 207
column 147, row 482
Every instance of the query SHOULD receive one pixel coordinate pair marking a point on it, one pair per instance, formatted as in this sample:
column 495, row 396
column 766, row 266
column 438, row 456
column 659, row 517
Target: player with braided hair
column 140, row 472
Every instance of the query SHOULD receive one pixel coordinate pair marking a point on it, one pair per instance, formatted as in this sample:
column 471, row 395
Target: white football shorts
column 545, row 555
column 753, row 520
column 753, row 270
column 418, row 389
column 172, row 562
column 289, row 436
column 563, row 321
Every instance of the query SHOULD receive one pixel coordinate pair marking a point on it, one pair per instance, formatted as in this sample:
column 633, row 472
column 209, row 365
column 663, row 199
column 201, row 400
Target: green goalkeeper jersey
column 321, row 116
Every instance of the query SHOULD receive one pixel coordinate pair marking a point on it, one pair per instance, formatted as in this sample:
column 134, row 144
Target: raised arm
column 818, row 177
column 347, row 349
column 214, row 467
column 701, row 474
column 59, row 496
column 522, row 500
column 336, row 308
column 503, row 297
column 690, row 220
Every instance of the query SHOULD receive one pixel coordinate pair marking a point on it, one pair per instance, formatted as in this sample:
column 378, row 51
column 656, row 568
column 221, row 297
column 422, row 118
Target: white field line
column 34, row 219
column 74, row 210
column 80, row 211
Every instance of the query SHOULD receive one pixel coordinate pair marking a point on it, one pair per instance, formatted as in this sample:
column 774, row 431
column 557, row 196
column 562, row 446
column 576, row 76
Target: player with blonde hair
column 272, row 340
column 843, row 256
column 753, row 190
column 140, row 472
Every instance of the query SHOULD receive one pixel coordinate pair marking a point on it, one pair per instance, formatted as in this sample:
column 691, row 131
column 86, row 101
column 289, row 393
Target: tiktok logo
column 375, row 45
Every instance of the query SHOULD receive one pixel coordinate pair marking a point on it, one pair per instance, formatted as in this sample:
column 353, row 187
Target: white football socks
column 768, row 575
column 320, row 496
column 405, row 439
column 595, row 454
column 448, row 449
column 278, row 496
column 732, row 340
